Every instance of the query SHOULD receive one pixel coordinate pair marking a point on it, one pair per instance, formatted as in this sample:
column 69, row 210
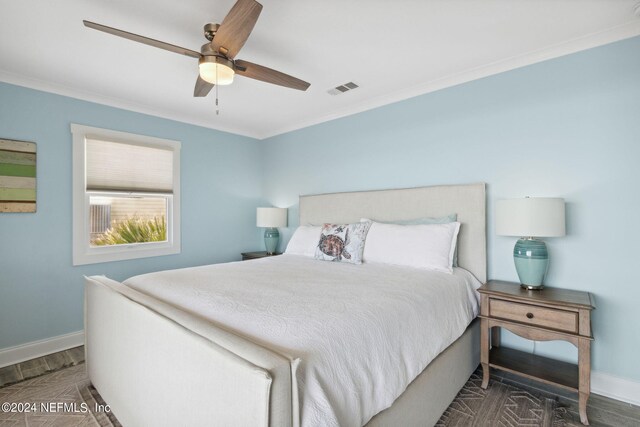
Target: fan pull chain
column 217, row 109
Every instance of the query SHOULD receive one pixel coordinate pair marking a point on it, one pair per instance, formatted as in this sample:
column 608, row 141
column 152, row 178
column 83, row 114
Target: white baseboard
column 615, row 387
column 20, row 353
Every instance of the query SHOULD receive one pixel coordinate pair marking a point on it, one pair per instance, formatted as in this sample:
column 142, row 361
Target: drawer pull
column 529, row 315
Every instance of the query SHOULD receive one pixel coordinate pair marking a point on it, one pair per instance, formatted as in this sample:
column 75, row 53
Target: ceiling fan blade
column 142, row 39
column 202, row 87
column 236, row 27
column 258, row 72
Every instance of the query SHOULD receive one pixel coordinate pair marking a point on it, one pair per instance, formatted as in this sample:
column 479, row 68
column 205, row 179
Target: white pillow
column 304, row 241
column 426, row 246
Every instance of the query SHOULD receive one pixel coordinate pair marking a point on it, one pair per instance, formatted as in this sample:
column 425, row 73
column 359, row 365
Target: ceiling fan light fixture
column 217, row 65
column 216, row 70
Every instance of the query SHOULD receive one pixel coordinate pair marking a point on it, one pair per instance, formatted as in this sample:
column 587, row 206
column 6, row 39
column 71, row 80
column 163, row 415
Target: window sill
column 124, row 252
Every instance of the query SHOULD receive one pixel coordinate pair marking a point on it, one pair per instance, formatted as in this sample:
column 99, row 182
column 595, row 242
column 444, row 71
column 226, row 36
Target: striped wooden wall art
column 17, row 176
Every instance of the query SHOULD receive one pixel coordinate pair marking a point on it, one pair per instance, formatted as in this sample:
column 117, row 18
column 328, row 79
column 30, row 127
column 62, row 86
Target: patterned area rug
column 502, row 405
column 66, row 398
column 61, row 398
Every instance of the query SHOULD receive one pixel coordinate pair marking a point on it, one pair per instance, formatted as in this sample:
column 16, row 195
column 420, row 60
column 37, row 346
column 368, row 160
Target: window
column 126, row 196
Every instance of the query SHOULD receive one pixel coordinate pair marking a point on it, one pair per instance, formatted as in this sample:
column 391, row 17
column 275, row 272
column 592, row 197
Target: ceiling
column 392, row 49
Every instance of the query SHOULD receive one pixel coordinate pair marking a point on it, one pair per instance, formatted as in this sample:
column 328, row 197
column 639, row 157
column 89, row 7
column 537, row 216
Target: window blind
column 115, row 166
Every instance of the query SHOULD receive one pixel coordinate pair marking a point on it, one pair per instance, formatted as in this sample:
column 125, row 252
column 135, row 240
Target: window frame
column 83, row 252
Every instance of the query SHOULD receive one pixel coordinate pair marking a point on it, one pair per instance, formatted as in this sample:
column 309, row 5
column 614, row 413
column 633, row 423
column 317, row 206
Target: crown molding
column 64, row 90
column 621, row 32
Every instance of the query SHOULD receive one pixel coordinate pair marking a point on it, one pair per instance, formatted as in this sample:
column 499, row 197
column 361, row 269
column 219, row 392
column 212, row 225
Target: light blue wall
column 569, row 127
column 41, row 294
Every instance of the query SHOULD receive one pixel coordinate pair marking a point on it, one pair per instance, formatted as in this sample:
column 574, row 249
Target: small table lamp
column 528, row 218
column 271, row 218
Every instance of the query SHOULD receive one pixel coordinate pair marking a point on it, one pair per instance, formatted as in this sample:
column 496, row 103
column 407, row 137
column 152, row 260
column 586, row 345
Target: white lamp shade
column 530, row 217
column 272, row 217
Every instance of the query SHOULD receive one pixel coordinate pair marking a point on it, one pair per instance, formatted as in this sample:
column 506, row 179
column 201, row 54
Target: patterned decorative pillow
column 342, row 242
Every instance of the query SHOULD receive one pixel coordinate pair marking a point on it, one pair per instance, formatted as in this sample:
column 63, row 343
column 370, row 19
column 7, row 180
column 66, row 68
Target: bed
column 158, row 359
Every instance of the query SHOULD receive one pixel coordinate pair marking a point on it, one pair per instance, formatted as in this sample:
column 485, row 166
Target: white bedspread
column 362, row 332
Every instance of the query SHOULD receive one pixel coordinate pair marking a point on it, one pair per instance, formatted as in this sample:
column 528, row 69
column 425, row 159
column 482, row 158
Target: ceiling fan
column 217, row 63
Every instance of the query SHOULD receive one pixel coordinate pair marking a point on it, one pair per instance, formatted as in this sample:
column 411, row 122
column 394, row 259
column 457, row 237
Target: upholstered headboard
column 468, row 201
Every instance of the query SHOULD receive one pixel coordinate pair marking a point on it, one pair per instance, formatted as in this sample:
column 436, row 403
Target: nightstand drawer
column 534, row 315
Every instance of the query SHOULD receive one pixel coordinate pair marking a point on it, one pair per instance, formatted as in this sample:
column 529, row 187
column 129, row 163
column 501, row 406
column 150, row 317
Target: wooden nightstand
column 256, row 255
column 547, row 314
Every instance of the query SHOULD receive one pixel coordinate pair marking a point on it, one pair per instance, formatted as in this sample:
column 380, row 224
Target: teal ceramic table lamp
column 271, row 218
column 529, row 218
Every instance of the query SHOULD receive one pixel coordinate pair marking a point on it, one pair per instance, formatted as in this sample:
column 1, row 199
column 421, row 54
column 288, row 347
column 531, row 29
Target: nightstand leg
column 485, row 376
column 583, row 408
column 484, row 351
column 495, row 337
column 584, row 363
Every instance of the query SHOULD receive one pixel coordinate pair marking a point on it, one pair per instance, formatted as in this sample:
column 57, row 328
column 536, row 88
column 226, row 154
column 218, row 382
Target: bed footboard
column 157, row 365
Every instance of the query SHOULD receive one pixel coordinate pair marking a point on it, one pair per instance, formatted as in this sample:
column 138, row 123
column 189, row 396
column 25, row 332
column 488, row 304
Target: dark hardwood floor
column 41, row 365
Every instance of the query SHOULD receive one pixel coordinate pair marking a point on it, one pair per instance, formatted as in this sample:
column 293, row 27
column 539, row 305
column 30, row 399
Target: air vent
column 342, row 88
